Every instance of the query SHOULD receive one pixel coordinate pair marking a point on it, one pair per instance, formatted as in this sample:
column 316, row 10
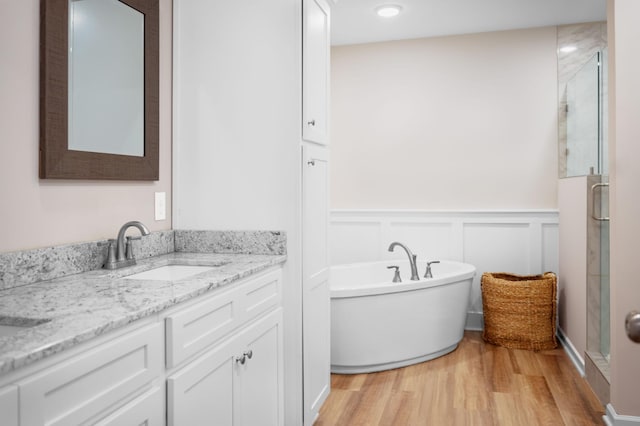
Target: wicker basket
column 520, row 311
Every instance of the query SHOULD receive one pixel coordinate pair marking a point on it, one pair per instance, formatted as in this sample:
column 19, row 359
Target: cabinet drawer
column 260, row 295
column 147, row 409
column 9, row 406
column 198, row 326
column 81, row 387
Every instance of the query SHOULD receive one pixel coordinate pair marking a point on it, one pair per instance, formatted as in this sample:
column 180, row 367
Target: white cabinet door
column 260, row 377
column 315, row 71
column 315, row 280
column 202, row 392
column 9, row 406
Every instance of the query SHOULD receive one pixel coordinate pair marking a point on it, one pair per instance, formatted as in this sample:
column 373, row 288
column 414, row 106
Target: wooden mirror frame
column 57, row 161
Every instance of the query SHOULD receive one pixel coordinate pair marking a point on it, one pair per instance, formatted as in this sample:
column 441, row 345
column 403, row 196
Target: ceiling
column 355, row 21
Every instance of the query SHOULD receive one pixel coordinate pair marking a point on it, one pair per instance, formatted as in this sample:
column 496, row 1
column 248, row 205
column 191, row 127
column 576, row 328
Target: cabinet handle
column 312, row 161
column 311, row 123
column 245, row 355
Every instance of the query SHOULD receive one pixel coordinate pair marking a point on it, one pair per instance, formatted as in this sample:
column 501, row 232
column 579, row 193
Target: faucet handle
column 396, row 275
column 111, row 250
column 427, row 273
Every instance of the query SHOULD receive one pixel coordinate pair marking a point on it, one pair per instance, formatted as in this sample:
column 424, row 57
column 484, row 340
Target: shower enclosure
column 587, row 155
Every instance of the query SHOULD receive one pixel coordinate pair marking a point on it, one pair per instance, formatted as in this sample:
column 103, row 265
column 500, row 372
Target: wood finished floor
column 477, row 384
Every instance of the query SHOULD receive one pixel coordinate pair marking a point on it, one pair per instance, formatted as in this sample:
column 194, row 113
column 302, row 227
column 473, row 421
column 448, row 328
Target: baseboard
column 611, row 418
column 571, row 351
column 475, row 321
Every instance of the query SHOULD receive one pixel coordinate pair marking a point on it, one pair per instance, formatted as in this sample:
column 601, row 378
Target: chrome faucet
column 120, row 256
column 427, row 272
column 412, row 259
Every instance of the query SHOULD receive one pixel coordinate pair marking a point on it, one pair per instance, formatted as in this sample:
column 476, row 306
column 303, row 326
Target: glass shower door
column 604, row 206
column 583, row 110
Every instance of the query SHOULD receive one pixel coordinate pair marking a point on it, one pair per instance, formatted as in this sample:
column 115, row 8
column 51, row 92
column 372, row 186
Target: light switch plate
column 161, row 205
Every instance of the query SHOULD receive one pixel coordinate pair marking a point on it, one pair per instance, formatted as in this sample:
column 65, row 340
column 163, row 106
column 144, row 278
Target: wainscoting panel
column 550, row 238
column 521, row 242
column 495, row 247
column 354, row 241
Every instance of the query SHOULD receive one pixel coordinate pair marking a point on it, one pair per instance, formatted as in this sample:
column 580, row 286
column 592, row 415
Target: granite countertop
column 79, row 307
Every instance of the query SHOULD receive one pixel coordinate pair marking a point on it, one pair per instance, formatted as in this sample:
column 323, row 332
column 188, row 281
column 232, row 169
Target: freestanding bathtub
column 377, row 324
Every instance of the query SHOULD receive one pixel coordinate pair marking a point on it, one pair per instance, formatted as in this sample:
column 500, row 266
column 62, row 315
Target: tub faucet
column 412, row 259
column 427, row 273
column 121, row 257
column 396, row 273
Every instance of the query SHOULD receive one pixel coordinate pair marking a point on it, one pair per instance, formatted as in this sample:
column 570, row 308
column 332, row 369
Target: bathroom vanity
column 125, row 347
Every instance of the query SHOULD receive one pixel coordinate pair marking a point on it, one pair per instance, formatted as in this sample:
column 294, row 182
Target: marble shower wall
column 588, row 39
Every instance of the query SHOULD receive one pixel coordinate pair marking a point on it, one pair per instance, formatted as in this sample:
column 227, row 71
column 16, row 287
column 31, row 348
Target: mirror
column 99, row 89
column 106, row 77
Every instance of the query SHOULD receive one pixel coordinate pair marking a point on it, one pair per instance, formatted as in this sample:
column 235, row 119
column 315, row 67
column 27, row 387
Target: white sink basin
column 170, row 272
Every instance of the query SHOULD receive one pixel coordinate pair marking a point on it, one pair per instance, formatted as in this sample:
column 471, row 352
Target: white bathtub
column 378, row 325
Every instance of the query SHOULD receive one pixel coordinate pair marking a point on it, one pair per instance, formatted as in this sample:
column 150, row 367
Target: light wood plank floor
column 477, row 384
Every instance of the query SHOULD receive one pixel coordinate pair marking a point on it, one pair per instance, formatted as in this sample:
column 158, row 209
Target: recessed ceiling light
column 388, row 10
column 568, row 49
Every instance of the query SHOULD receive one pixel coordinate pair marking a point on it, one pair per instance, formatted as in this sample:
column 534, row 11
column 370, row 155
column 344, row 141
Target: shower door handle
column 632, row 325
column 593, row 202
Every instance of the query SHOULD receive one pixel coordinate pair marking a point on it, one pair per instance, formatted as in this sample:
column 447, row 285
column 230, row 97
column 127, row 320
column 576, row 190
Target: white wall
column 237, row 110
column 40, row 213
column 572, row 281
column 462, row 122
column 522, row 242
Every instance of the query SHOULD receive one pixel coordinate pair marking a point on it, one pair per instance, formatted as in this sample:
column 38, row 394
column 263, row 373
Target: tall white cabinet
column 250, row 99
column 315, row 206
